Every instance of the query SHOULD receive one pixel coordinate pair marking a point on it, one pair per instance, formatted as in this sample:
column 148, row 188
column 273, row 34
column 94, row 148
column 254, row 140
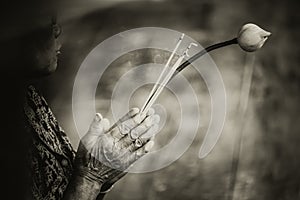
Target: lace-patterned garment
column 51, row 154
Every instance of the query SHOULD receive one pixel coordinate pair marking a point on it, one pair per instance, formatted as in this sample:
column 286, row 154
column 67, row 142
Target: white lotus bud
column 251, row 37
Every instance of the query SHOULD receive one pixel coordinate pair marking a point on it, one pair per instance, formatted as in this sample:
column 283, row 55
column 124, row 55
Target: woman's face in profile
column 44, row 50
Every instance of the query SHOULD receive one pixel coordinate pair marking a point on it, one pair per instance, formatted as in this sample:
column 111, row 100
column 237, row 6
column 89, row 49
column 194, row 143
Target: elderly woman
column 54, row 169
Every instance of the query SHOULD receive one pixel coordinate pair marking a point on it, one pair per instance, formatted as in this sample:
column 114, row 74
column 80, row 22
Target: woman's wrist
column 82, row 187
column 90, row 173
column 89, row 183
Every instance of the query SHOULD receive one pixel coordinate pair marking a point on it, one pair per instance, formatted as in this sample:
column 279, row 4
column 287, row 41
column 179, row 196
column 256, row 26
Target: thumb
column 99, row 125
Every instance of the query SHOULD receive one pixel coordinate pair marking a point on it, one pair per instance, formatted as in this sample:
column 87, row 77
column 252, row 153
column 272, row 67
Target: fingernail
column 98, row 117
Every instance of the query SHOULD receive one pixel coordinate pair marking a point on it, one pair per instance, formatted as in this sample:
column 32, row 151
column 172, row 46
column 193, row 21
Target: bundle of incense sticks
column 160, row 84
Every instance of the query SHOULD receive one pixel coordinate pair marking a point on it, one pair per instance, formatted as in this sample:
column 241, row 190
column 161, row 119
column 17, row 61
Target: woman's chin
column 52, row 68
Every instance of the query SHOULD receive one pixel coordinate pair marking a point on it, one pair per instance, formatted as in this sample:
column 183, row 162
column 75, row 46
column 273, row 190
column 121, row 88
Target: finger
column 142, row 127
column 147, row 128
column 131, row 120
column 138, row 118
column 142, row 133
column 132, row 112
column 154, row 128
column 150, row 132
column 148, row 146
column 120, row 129
column 99, row 125
column 141, row 151
column 97, row 128
column 126, row 141
column 131, row 138
column 105, row 124
column 96, row 121
column 116, row 134
column 136, row 144
column 126, row 126
column 134, row 120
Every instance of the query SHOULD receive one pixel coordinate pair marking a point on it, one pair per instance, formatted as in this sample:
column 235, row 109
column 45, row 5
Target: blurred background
column 269, row 155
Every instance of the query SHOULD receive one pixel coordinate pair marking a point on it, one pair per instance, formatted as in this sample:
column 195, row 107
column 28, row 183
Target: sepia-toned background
column 269, row 156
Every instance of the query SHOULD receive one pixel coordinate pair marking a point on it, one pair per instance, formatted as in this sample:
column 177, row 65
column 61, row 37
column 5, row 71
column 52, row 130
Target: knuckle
column 124, row 129
column 134, row 133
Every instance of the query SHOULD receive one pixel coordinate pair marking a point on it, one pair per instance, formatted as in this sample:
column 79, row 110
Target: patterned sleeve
column 51, row 152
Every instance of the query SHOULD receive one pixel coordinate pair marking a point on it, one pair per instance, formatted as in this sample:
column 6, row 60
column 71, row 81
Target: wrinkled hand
column 105, row 152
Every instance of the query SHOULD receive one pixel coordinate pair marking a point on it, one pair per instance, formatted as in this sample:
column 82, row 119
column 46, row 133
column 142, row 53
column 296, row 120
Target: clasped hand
column 105, row 152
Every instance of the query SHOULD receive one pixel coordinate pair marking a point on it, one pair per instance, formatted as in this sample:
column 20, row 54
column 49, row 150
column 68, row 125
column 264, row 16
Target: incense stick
column 163, row 84
column 161, row 75
column 166, row 80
